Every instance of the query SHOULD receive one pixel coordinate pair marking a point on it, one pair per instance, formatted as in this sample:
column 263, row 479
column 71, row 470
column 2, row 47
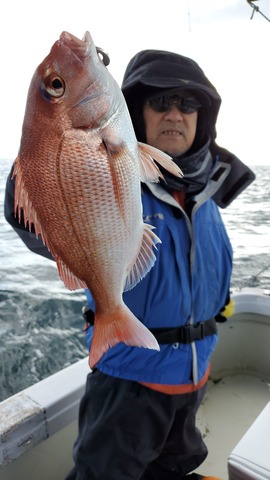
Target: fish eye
column 54, row 86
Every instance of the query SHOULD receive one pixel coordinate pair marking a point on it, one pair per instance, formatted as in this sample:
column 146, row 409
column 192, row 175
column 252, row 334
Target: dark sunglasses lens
column 189, row 105
column 159, row 104
column 163, row 103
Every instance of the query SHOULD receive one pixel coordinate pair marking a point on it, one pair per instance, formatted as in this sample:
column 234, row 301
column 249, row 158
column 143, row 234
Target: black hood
column 151, row 71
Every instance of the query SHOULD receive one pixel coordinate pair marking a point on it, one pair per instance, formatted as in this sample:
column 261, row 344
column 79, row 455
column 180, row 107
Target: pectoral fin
column 149, row 170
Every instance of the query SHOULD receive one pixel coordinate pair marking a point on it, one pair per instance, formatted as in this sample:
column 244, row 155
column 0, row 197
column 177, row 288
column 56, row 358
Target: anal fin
column 145, row 260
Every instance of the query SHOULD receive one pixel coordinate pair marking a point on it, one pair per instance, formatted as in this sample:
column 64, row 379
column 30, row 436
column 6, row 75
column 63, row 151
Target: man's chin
column 175, row 153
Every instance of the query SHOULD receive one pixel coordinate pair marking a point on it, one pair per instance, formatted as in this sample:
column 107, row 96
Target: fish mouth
column 81, row 48
column 85, row 47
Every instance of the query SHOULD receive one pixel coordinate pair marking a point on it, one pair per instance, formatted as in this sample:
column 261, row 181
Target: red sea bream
column 78, row 176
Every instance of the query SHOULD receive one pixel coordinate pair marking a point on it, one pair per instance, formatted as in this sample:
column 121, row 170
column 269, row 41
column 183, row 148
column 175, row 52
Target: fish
column 77, row 182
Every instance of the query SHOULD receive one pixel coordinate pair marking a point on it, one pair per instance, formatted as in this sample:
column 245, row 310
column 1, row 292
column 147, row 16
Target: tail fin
column 119, row 326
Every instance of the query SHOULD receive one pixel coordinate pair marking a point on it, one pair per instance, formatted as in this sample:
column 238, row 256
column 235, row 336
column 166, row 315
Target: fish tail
column 119, row 326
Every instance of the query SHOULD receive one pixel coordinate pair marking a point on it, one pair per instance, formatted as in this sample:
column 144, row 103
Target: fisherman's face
column 171, row 131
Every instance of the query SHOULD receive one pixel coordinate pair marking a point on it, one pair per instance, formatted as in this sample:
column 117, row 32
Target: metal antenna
column 256, row 9
column 188, row 14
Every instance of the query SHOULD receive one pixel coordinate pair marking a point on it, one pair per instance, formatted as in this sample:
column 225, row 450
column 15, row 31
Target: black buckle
column 190, row 333
column 186, row 333
column 88, row 315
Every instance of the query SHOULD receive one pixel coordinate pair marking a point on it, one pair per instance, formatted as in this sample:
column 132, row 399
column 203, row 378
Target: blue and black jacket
column 189, row 283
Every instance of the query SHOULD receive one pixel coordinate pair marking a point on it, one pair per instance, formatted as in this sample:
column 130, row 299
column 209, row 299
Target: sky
column 231, row 48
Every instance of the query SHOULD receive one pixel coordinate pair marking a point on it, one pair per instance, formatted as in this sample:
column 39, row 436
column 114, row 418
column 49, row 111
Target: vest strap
column 184, row 334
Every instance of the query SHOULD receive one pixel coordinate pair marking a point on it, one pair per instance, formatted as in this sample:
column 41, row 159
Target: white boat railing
column 40, row 411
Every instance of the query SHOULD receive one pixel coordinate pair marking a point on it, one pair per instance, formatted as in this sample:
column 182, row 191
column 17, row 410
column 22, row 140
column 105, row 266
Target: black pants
column 130, row 432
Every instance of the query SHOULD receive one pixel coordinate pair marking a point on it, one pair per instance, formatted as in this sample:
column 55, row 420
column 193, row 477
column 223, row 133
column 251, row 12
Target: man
column 137, row 417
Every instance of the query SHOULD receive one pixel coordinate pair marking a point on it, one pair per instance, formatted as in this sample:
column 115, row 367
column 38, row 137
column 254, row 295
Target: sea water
column 41, row 324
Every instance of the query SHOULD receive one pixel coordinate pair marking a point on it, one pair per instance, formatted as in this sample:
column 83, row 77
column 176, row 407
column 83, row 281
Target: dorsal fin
column 22, row 201
column 70, row 280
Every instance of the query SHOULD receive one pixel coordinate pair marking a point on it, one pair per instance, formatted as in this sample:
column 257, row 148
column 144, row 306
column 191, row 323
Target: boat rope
column 255, row 277
column 252, row 280
column 256, row 9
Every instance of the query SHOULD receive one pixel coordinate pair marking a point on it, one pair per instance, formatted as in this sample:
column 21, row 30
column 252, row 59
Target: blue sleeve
column 90, row 300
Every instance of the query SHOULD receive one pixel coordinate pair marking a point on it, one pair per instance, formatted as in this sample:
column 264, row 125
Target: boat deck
column 230, row 406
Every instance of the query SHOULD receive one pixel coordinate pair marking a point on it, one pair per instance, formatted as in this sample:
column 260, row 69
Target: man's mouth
column 174, row 133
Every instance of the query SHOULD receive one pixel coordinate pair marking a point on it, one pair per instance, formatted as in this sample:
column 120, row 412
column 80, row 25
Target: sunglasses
column 162, row 103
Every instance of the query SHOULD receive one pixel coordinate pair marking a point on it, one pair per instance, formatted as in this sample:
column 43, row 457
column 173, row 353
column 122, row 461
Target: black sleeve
column 34, row 244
